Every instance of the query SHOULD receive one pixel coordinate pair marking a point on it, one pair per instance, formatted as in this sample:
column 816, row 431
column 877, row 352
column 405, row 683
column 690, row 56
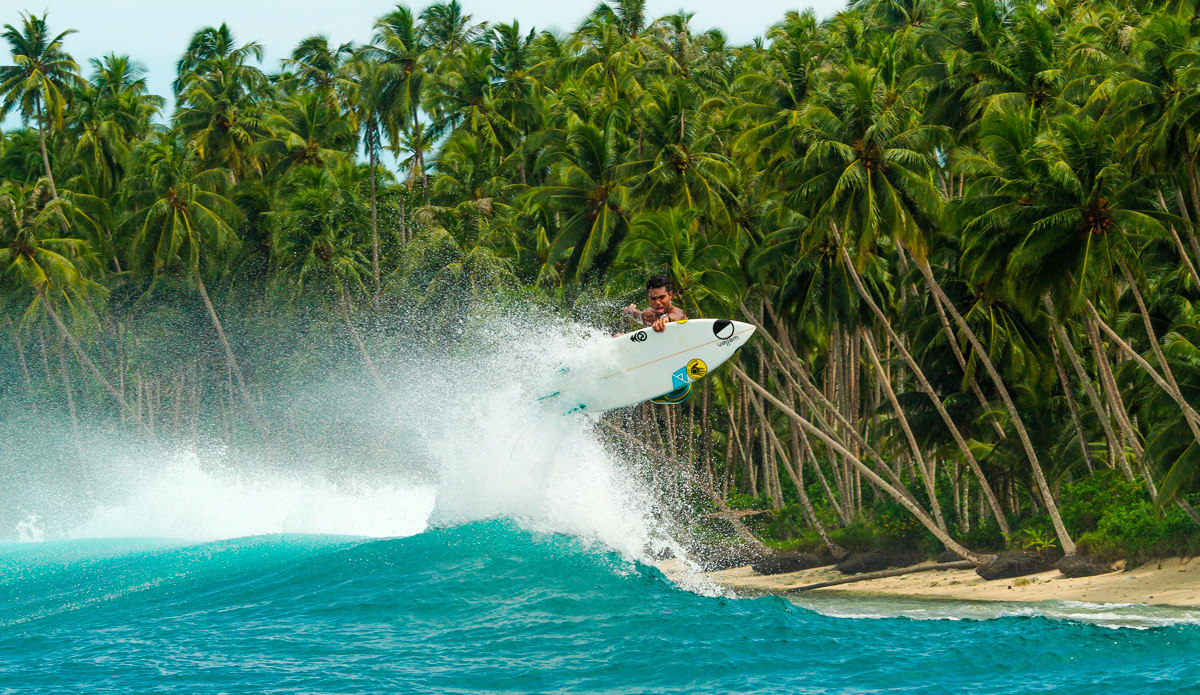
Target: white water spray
column 461, row 437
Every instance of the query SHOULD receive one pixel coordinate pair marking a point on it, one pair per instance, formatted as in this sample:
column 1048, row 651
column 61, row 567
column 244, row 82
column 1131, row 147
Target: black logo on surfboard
column 639, row 337
column 723, row 329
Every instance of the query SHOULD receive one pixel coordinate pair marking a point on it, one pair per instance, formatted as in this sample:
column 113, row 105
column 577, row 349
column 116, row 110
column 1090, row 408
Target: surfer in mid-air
column 661, row 311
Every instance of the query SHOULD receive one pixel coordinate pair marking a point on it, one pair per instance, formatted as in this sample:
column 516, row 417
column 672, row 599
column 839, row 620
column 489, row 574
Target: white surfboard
column 644, row 365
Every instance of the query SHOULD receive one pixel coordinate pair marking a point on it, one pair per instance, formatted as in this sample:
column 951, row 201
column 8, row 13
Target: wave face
column 492, row 607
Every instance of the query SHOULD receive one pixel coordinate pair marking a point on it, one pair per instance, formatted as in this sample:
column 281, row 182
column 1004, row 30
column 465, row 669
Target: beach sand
column 1173, row 582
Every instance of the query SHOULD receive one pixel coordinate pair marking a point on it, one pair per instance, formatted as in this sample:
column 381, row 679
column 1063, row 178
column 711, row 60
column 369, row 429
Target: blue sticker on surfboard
column 680, row 379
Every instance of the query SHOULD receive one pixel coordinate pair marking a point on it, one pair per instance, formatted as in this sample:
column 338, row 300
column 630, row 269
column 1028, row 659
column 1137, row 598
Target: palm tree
column 671, row 239
column 319, row 229
column 40, row 80
column 219, row 97
column 47, row 264
column 591, row 190
column 448, row 29
column 179, row 216
column 306, row 130
column 688, row 167
column 319, row 67
column 866, row 170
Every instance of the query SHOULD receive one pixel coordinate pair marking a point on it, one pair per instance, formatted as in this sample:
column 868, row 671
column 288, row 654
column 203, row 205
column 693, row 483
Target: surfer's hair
column 660, row 280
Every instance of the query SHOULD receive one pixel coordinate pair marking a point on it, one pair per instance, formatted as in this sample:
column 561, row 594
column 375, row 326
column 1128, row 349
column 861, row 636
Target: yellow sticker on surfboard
column 696, row 369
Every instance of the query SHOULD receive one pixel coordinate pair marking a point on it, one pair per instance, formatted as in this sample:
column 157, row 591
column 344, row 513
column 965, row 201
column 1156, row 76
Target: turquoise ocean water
column 492, row 607
column 464, row 542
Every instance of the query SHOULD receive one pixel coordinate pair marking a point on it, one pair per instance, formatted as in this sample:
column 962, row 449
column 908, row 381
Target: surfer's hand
column 660, row 324
column 633, row 310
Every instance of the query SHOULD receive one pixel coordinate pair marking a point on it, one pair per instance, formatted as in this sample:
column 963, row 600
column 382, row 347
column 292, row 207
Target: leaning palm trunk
column 374, row 232
column 16, row 336
column 930, row 487
column 1039, row 475
column 870, row 474
column 1093, row 398
column 62, row 220
column 836, row 550
column 1118, row 407
column 45, row 153
column 962, row 363
column 738, row 526
column 66, row 377
column 1168, row 374
column 927, row 389
column 1189, row 413
column 1075, row 421
column 362, row 349
column 87, row 362
column 811, row 396
column 233, row 365
column 1108, row 384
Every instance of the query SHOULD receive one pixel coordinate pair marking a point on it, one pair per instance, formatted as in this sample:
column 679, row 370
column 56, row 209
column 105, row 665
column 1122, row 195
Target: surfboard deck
column 643, row 365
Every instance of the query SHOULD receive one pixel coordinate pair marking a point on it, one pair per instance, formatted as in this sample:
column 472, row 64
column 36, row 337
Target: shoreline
column 1169, row 582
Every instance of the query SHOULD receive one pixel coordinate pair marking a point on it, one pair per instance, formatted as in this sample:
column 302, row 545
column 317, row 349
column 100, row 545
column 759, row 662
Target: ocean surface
column 465, row 544
column 491, row 607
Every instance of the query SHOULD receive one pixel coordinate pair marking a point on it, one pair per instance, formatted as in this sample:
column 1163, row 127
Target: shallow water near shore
column 1113, row 615
column 493, row 607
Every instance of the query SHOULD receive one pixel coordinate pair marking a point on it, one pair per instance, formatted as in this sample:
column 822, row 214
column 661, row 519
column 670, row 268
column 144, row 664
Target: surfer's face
column 660, row 300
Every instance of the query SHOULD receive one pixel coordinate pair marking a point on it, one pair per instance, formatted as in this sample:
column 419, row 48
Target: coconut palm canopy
column 968, row 232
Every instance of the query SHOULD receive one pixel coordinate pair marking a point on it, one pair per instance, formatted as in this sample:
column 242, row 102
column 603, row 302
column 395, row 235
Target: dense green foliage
column 965, row 228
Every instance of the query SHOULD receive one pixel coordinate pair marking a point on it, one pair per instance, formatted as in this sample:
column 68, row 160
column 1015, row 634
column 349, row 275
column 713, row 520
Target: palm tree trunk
column 1168, row 373
column 362, row 349
column 1183, row 252
column 925, row 386
column 45, row 154
column 962, row 363
column 374, row 232
column 1093, row 398
column 737, row 524
column 1189, row 414
column 66, row 377
column 930, row 487
column 1039, row 475
column 233, row 365
column 1183, row 212
column 814, row 399
column 87, row 361
column 797, row 476
column 1066, row 385
column 1118, row 406
column 810, row 394
column 871, row 475
column 16, row 336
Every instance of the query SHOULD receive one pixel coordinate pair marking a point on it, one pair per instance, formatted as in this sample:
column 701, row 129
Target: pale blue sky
column 156, row 32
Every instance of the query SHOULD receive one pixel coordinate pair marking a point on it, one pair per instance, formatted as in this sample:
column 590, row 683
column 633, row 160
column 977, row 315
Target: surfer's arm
column 660, row 324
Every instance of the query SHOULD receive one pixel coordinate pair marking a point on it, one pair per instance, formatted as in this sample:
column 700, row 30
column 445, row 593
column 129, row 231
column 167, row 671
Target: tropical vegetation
column 968, row 232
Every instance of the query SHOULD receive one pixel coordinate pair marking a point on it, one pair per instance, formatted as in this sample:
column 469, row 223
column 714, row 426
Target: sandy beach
column 1173, row 582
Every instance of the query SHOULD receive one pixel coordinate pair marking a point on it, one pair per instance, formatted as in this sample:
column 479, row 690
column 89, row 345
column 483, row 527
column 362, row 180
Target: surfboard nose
column 744, row 329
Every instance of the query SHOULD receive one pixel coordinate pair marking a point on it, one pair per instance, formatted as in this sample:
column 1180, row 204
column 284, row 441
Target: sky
column 155, row 32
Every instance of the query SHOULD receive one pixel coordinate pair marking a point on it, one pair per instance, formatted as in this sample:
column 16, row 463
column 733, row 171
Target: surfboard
column 644, row 365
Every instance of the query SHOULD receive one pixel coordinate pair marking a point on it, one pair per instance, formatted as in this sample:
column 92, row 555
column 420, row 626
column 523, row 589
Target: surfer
column 661, row 311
